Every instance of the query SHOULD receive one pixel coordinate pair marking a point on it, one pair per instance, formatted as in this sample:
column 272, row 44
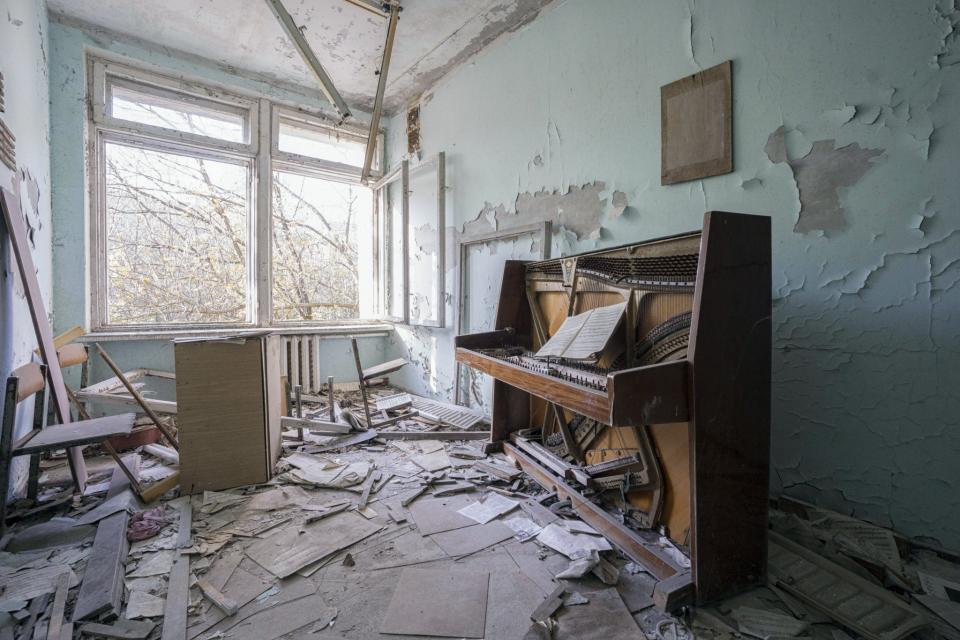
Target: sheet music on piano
column 585, row 335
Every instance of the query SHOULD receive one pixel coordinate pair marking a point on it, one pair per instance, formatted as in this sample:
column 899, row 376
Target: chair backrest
column 30, row 379
column 71, row 354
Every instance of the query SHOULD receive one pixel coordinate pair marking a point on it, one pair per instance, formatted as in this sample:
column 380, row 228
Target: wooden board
column 446, row 603
column 696, row 125
column 41, row 325
column 178, row 600
column 78, row 433
column 102, row 587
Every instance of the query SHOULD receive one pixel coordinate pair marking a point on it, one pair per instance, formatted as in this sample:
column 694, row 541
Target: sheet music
column 584, row 336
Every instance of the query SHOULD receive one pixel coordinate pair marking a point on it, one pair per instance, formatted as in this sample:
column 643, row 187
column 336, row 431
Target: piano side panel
column 511, row 406
column 730, row 435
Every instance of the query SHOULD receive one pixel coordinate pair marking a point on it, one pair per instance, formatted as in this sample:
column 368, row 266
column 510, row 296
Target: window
column 177, row 229
column 316, row 258
column 215, row 209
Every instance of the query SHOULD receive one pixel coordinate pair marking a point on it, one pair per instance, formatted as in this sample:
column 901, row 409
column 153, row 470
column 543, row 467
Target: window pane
column 324, row 143
column 395, row 238
column 316, row 262
column 177, row 238
column 188, row 115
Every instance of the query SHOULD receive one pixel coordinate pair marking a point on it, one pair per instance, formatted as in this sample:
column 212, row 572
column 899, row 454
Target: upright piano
column 661, row 441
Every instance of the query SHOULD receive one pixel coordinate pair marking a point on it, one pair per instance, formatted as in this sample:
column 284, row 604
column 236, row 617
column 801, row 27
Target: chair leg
column 6, row 446
column 39, row 422
column 363, row 384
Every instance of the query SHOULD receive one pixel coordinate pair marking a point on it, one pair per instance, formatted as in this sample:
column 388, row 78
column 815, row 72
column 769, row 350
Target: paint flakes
column 578, row 210
column 819, row 175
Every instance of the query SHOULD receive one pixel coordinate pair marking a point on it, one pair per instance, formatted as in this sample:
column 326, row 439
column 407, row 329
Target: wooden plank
column 321, row 427
column 178, row 600
column 123, row 400
column 68, row 336
column 661, row 565
column 101, row 591
column 221, row 601
column 55, row 624
column 38, row 313
column 77, row 433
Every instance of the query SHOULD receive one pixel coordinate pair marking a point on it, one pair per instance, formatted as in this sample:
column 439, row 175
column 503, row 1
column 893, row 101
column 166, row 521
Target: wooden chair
column 30, row 381
column 365, row 376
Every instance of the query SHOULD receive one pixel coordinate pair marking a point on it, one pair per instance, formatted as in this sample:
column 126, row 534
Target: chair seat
column 383, row 369
column 74, row 434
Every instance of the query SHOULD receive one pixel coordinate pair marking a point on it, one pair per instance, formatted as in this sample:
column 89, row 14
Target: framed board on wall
column 696, row 125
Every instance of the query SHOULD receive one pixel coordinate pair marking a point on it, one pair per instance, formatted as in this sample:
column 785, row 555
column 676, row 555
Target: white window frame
column 259, row 150
column 385, row 276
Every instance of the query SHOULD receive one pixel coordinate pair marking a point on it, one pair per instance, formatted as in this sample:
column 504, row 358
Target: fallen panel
column 440, row 603
column 451, row 414
column 854, row 602
column 461, row 542
column 295, row 547
column 436, row 516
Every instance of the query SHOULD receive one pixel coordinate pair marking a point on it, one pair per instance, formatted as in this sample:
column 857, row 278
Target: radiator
column 301, row 361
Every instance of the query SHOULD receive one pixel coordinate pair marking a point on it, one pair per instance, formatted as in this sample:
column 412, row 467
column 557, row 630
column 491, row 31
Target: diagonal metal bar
column 303, row 47
column 375, row 8
column 381, row 87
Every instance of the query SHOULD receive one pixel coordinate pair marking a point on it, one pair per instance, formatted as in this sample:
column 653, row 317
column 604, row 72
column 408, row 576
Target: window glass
column 177, row 230
column 189, row 115
column 323, row 143
column 321, row 249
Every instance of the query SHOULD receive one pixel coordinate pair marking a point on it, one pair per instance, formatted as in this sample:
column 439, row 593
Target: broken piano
column 635, row 382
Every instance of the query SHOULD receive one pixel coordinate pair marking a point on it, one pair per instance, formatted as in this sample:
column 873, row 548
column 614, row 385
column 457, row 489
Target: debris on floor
column 378, row 537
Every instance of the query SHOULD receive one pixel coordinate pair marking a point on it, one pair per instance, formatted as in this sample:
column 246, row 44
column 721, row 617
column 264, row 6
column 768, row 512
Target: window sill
column 368, row 329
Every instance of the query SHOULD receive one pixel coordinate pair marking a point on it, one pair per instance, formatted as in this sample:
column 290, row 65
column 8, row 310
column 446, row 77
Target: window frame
column 383, row 265
column 259, row 151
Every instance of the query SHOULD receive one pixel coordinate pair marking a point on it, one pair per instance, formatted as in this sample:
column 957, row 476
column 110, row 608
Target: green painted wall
column 866, row 239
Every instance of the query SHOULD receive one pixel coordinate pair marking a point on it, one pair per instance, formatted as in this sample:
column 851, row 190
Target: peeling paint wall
column 69, row 45
column 845, row 133
column 23, row 62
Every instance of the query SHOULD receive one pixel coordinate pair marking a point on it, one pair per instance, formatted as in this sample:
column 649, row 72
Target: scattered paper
column 493, row 505
column 523, row 528
column 572, row 545
column 578, row 526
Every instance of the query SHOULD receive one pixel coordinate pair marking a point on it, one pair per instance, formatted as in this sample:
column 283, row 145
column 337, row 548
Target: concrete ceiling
column 433, row 36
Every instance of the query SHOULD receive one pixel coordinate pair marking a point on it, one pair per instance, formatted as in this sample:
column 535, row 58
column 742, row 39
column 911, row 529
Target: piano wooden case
column 670, row 429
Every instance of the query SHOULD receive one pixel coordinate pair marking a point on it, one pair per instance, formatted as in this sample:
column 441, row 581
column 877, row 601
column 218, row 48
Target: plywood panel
column 221, row 414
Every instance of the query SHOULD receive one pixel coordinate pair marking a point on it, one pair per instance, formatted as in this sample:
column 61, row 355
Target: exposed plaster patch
column 578, row 210
column 618, row 204
column 819, row 175
column 425, row 237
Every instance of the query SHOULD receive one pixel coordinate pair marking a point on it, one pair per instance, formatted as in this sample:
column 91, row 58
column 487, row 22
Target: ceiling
column 433, row 36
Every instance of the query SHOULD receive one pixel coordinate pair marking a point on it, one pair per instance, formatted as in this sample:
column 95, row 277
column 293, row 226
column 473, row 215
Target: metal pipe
column 381, row 87
column 375, row 8
column 303, row 47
